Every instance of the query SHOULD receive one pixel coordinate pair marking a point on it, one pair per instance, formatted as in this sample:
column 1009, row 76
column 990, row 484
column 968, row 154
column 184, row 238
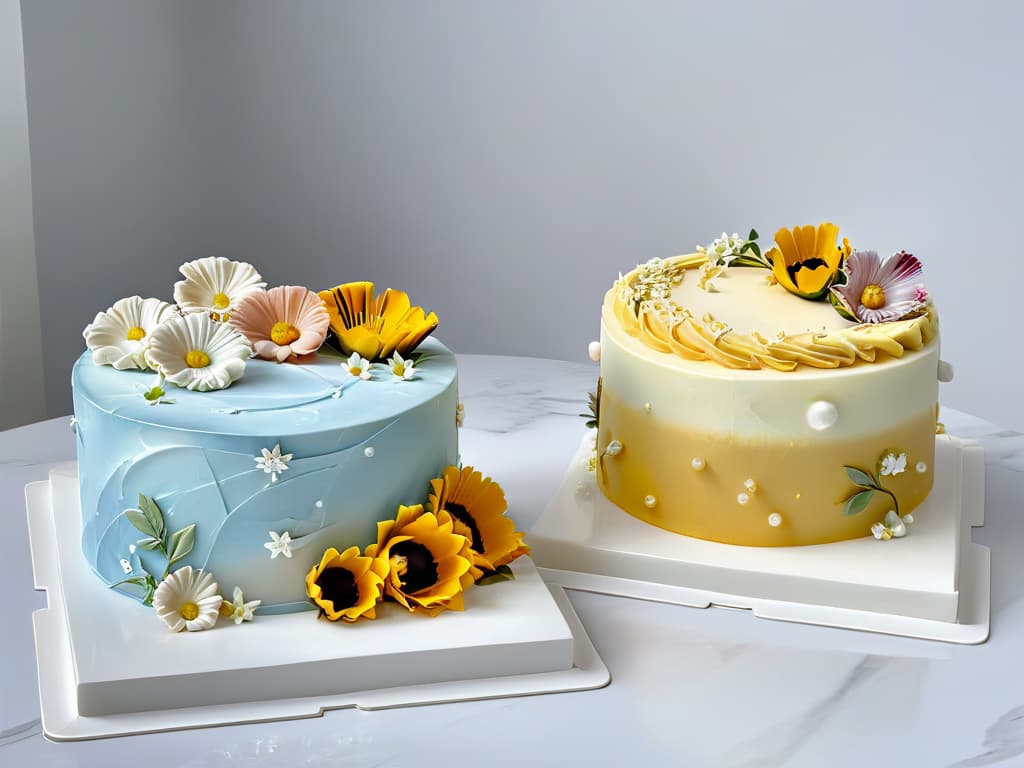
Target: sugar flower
column 279, row 544
column 894, row 527
column 879, row 291
column 282, row 323
column 187, row 599
column 375, row 326
column 429, row 564
column 401, row 369
column 121, row 335
column 345, row 585
column 198, row 353
column 238, row 610
column 806, row 260
column 357, row 366
column 892, row 463
column 215, row 285
column 476, row 507
column 273, row 462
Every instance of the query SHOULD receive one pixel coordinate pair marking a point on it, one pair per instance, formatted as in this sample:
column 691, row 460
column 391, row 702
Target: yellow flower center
column 221, row 301
column 189, row 611
column 284, row 333
column 399, row 369
column 197, row 359
column 873, row 297
column 135, row 333
column 355, row 370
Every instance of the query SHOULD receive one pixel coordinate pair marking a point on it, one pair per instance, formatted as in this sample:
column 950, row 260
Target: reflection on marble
column 690, row 687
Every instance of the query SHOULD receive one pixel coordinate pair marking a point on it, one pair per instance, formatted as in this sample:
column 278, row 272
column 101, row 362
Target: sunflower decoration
column 429, row 564
column 475, row 505
column 807, row 260
column 375, row 327
column 345, row 585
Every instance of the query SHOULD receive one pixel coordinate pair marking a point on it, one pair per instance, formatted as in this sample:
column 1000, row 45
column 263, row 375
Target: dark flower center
column 459, row 513
column 812, row 263
column 339, row 586
column 420, row 568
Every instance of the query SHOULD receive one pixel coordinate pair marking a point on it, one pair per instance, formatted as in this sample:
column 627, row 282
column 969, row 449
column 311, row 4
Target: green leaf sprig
column 868, row 485
column 593, row 410
column 750, row 253
column 149, row 520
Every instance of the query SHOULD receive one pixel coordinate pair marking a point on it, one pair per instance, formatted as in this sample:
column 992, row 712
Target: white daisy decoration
column 893, row 464
column 357, row 366
column 401, row 369
column 279, row 544
column 273, row 462
column 214, row 285
column 121, row 335
column 238, row 610
column 198, row 353
column 187, row 599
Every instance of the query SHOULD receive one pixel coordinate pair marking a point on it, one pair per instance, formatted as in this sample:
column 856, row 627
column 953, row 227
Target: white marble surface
column 689, row 687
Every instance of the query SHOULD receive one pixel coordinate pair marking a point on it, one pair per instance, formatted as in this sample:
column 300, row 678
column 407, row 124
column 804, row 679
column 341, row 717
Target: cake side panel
column 339, row 482
column 757, row 458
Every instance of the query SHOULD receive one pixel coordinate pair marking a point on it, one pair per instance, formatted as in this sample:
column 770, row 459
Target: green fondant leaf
column 154, row 394
column 753, row 234
column 149, row 543
column 860, row 477
column 138, row 581
column 501, row 573
column 181, row 544
column 153, row 515
column 141, row 522
column 837, row 305
column 858, row 502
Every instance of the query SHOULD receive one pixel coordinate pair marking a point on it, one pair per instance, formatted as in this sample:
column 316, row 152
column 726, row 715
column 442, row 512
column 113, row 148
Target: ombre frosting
column 359, row 448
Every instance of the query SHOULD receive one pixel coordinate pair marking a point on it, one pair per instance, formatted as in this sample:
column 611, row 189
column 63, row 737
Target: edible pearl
column 594, row 351
column 647, row 407
column 945, row 372
column 742, row 498
column 697, row 463
column 369, row 451
column 821, row 415
column 750, row 485
column 774, row 519
column 650, row 501
column 614, row 448
column 318, row 504
column 921, row 467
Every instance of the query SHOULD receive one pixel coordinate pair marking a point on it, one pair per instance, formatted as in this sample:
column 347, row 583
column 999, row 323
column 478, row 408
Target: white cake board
column 108, row 667
column 932, row 584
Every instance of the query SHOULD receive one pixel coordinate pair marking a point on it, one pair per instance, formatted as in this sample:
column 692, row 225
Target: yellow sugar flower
column 376, row 326
column 429, row 563
column 346, row 585
column 476, row 506
column 806, row 260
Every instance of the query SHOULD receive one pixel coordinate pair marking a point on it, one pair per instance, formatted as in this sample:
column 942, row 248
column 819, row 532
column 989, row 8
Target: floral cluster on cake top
column 224, row 315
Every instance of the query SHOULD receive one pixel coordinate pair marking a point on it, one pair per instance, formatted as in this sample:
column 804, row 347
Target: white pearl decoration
column 945, row 372
column 742, row 498
column 369, row 451
column 594, row 351
column 647, row 407
column 921, row 467
column 774, row 519
column 821, row 414
column 750, row 485
column 650, row 501
column 318, row 504
column 614, row 448
column 697, row 463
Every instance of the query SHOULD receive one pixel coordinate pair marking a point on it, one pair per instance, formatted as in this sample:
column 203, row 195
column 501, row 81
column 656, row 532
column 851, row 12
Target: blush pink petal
column 257, row 314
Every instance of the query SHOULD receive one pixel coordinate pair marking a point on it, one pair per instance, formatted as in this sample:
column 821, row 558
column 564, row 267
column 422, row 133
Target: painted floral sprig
column 175, row 547
column 890, row 463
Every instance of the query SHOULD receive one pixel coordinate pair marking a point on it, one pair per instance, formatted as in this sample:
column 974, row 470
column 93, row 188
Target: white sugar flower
column 215, row 285
column 237, row 609
column 357, row 366
column 893, row 464
column 894, row 527
column 273, row 462
column 279, row 544
column 187, row 599
column 401, row 369
column 121, row 335
column 198, row 353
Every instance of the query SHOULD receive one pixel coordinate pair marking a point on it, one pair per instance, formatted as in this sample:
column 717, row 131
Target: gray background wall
column 503, row 162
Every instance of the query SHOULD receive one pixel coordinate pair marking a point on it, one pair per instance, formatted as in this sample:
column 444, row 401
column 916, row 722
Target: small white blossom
column 279, row 544
column 357, row 366
column 273, row 462
column 238, row 610
column 893, row 464
column 401, row 369
column 894, row 527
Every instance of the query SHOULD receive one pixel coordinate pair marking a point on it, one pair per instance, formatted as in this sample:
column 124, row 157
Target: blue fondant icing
column 196, row 458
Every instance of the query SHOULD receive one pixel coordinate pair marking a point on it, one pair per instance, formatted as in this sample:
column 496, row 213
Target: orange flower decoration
column 806, row 260
column 476, row 506
column 429, row 563
column 376, row 327
column 346, row 586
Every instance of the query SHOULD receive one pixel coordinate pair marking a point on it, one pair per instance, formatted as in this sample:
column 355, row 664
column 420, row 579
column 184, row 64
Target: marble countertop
column 715, row 687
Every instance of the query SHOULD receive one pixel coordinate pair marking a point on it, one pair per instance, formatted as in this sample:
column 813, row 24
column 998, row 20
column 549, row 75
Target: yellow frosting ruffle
column 667, row 327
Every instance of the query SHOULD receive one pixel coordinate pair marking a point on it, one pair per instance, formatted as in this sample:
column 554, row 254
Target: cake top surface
column 807, row 303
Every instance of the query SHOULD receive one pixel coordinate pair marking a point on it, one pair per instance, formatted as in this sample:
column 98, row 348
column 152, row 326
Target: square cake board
column 108, row 666
column 932, row 584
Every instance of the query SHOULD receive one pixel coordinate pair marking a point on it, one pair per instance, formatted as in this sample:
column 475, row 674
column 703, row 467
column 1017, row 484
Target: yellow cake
column 776, row 400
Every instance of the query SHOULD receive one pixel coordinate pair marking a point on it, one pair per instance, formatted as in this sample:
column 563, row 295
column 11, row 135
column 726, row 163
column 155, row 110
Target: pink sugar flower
column 879, row 291
column 282, row 323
